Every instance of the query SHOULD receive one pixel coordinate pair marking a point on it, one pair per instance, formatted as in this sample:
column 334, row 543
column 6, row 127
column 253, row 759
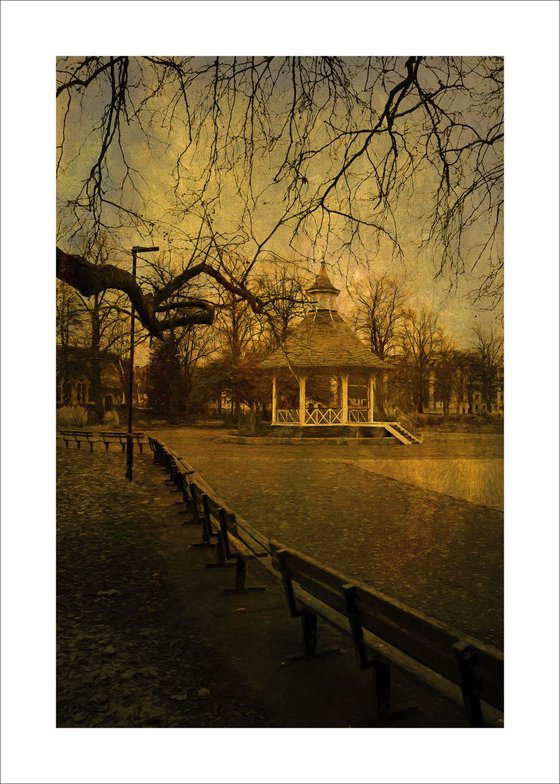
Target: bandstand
column 324, row 347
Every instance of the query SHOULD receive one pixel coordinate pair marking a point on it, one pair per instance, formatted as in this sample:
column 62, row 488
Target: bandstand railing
column 321, row 416
column 358, row 415
column 288, row 416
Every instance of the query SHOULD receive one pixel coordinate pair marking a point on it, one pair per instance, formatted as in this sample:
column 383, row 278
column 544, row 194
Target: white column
column 383, row 393
column 432, row 392
column 371, row 398
column 344, row 379
column 302, row 380
column 274, row 401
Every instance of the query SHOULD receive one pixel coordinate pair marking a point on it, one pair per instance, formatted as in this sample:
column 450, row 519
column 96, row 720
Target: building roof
column 323, row 283
column 83, row 354
column 322, row 340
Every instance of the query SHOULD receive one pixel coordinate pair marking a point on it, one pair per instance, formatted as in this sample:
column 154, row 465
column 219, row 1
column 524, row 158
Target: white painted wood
column 371, row 397
column 344, row 379
column 302, row 401
column 274, row 399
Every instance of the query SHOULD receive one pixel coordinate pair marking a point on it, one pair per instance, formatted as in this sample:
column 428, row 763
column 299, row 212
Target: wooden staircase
column 401, row 433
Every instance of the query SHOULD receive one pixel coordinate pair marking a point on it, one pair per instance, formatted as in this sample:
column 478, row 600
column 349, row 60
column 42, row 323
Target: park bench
column 235, row 542
column 387, row 633
column 78, row 437
column 119, row 436
column 106, row 437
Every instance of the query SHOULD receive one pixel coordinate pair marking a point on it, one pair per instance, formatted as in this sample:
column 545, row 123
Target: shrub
column 110, row 418
column 72, row 416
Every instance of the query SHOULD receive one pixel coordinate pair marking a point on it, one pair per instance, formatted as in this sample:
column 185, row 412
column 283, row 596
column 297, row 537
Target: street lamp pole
column 129, row 441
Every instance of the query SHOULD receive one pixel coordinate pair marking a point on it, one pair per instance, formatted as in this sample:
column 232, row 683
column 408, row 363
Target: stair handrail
column 414, row 426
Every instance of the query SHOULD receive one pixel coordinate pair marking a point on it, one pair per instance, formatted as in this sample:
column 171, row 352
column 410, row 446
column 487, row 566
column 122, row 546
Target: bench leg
column 241, row 574
column 199, row 518
column 79, row 444
column 189, row 507
column 309, row 634
column 220, row 552
column 106, row 446
column 309, row 631
column 221, row 556
column 381, row 675
column 91, row 446
column 241, row 578
column 466, row 659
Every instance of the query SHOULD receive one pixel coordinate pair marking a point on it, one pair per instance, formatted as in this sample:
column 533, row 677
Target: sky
column 151, row 188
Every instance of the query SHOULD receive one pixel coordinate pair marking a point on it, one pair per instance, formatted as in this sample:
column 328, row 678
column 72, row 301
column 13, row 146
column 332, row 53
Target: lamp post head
column 137, row 249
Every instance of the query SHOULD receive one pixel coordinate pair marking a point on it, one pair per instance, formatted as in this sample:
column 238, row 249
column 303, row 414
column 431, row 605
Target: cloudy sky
column 171, row 165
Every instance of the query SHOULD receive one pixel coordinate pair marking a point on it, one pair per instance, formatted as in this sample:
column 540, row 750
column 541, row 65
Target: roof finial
column 323, row 292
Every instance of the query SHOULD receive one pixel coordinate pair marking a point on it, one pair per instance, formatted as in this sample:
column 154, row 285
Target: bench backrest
column 424, row 639
column 319, row 580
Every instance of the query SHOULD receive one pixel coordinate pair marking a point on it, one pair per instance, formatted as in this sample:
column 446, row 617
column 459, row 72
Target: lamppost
column 129, row 442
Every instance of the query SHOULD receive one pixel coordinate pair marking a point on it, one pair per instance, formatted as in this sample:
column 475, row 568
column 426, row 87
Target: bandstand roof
column 323, row 340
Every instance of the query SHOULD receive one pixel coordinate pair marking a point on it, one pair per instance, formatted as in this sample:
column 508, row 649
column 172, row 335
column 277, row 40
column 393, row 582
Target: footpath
column 148, row 636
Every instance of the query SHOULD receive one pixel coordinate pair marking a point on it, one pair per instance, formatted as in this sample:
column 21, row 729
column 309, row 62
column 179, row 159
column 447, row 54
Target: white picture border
column 33, row 34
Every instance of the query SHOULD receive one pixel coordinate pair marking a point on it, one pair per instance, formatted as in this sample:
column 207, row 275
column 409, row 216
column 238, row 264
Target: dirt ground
column 127, row 655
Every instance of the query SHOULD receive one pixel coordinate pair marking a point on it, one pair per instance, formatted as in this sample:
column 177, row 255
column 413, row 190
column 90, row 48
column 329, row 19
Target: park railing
column 385, row 632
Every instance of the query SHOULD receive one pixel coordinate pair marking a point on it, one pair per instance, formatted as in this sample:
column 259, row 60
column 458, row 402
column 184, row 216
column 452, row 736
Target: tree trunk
column 95, row 364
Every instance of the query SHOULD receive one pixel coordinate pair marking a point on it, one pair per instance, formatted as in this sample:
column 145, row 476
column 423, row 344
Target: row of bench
column 106, row 437
column 385, row 632
column 233, row 539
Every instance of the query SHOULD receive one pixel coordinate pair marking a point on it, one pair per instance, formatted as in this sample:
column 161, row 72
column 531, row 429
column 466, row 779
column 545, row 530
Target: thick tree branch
column 90, row 279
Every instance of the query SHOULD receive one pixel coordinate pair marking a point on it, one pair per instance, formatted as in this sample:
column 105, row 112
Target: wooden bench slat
column 305, row 566
column 429, row 643
column 424, row 642
column 401, row 627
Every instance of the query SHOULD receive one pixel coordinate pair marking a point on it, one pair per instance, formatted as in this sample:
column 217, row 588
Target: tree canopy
column 241, row 157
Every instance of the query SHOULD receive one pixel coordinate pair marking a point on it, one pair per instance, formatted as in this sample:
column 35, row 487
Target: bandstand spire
column 322, row 291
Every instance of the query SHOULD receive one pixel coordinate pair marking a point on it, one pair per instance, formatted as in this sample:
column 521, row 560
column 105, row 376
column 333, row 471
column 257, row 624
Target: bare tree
column 488, row 363
column 160, row 309
column 446, row 370
column 99, row 326
column 239, row 334
column 69, row 313
column 173, row 363
column 421, row 343
column 282, row 290
column 260, row 150
column 379, row 311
